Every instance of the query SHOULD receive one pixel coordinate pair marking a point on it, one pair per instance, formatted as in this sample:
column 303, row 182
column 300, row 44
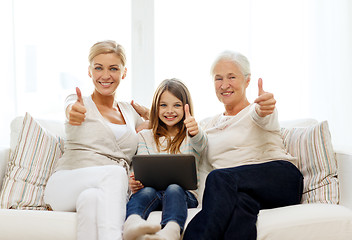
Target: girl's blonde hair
column 179, row 90
column 107, row 46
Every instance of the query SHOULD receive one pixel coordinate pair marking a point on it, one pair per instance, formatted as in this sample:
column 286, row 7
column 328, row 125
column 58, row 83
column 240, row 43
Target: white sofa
column 303, row 221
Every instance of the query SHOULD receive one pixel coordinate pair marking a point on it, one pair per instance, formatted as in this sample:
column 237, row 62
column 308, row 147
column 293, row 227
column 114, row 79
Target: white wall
column 329, row 73
column 318, row 64
column 48, row 43
column 317, row 85
column 301, row 49
column 142, row 51
column 7, row 99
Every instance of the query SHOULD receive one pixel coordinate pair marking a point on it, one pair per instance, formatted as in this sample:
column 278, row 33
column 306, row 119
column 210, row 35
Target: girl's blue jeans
column 233, row 197
column 174, row 202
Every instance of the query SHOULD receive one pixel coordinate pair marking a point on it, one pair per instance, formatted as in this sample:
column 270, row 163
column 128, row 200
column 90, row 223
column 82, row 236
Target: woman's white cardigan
column 94, row 144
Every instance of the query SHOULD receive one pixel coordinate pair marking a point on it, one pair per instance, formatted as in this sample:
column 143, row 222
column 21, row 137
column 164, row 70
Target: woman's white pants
column 98, row 194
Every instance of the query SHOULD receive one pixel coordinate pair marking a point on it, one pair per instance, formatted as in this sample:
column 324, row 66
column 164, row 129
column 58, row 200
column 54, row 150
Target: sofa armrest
column 344, row 160
column 4, row 156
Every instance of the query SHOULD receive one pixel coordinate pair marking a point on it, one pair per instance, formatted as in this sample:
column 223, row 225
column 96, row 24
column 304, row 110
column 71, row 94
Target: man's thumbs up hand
column 265, row 101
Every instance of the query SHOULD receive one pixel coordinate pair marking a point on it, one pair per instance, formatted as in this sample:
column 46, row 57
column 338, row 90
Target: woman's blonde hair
column 107, row 46
column 179, row 90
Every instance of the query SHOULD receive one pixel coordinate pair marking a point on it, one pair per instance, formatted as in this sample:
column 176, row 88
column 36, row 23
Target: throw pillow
column 316, row 160
column 29, row 167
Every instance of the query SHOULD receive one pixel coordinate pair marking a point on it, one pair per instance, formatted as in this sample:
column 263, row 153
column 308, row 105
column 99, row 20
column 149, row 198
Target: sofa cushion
column 29, row 167
column 305, row 221
column 37, row 225
column 316, row 160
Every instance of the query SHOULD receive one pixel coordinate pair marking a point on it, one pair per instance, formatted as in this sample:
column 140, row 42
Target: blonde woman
column 173, row 130
column 92, row 175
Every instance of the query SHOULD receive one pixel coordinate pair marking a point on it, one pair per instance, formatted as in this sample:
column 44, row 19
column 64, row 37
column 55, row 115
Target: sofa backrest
column 54, row 127
column 306, row 122
column 57, row 128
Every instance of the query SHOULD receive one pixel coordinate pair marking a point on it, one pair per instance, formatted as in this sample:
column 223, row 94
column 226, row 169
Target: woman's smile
column 227, row 93
column 106, row 84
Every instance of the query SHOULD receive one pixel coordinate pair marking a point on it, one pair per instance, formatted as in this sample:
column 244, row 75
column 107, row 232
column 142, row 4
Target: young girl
column 173, row 130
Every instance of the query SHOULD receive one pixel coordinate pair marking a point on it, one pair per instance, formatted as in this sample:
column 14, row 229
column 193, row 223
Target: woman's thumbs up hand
column 77, row 112
column 265, row 101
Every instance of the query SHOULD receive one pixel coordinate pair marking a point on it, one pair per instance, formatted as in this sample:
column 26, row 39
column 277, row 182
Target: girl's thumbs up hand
column 190, row 122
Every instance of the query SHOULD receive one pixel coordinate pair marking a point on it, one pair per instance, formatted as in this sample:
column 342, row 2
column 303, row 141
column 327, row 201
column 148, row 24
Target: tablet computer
column 161, row 170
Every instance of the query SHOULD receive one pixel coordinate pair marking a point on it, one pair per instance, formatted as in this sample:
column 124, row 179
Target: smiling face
column 230, row 84
column 170, row 111
column 106, row 71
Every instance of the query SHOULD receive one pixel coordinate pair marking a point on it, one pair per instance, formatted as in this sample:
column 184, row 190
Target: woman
column 252, row 169
column 91, row 177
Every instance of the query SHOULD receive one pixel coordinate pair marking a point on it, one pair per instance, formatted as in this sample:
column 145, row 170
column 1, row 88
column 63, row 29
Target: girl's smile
column 170, row 110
